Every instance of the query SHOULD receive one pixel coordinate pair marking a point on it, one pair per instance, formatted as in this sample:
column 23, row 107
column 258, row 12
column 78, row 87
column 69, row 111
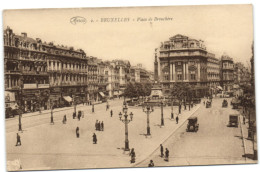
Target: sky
column 223, row 28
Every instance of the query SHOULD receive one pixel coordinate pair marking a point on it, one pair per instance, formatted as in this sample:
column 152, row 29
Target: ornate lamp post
column 52, row 122
column 126, row 121
column 148, row 109
column 162, row 120
column 20, row 122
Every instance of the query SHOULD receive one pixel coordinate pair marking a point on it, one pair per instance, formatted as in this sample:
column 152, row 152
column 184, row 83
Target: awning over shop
column 235, row 86
column 67, row 98
column 102, row 94
column 116, row 93
column 219, row 87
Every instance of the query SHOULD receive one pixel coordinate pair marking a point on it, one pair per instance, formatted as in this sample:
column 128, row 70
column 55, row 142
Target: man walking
column 161, row 149
column 96, row 125
column 102, row 126
column 244, row 120
column 179, row 108
column 77, row 132
column 111, row 113
column 166, row 155
column 18, row 140
column 177, row 119
column 94, row 138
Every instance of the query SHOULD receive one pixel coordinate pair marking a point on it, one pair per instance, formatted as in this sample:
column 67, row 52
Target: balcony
column 13, row 72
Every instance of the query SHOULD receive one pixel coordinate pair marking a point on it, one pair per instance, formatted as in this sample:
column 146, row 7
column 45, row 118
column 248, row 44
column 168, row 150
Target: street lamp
column 52, row 122
column 162, row 120
column 148, row 109
column 20, row 122
column 126, row 121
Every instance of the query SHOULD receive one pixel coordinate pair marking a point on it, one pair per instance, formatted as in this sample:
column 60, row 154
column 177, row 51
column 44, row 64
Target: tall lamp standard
column 20, row 122
column 52, row 122
column 126, row 121
column 148, row 109
column 162, row 120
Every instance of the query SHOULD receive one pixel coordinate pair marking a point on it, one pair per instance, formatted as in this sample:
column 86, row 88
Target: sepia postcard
column 89, row 88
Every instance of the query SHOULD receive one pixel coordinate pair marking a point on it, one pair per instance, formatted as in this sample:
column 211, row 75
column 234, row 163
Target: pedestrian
column 244, row 120
column 64, row 119
column 79, row 115
column 102, row 126
column 94, row 138
column 18, row 140
column 77, row 132
column 74, row 115
column 99, row 126
column 180, row 109
column 132, row 156
column 96, row 125
column 177, row 119
column 93, row 109
column 111, row 113
column 166, row 155
column 161, row 149
column 151, row 164
column 172, row 115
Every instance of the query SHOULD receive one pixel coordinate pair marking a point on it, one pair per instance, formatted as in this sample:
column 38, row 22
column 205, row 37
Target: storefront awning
column 219, row 87
column 116, row 93
column 102, row 94
column 67, row 98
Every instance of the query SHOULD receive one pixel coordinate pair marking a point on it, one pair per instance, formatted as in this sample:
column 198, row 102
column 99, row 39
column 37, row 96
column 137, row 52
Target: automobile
column 233, row 120
column 192, row 125
column 224, row 103
column 208, row 104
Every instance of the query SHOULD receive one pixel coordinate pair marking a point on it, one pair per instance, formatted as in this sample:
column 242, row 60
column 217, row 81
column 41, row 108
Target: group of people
column 99, row 126
column 166, row 156
column 162, row 155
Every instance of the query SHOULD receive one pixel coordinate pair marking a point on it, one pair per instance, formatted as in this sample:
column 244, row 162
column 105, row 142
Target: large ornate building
column 26, row 76
column 40, row 74
column 182, row 59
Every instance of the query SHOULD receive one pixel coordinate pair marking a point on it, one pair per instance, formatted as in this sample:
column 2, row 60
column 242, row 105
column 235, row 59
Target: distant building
column 182, row 59
column 213, row 71
column 227, row 72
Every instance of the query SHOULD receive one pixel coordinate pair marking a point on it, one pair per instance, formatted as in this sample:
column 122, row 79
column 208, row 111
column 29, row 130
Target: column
column 198, row 64
column 183, row 73
column 170, row 71
column 173, row 72
column 187, row 74
column 9, row 79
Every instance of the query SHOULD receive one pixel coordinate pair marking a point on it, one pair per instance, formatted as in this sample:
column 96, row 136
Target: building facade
column 41, row 75
column 227, row 72
column 213, row 70
column 25, row 65
column 182, row 59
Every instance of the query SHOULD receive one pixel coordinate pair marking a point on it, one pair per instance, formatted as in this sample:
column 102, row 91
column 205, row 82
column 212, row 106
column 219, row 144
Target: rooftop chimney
column 24, row 34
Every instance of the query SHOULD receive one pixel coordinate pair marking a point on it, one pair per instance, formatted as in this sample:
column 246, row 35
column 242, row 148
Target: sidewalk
column 248, row 144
